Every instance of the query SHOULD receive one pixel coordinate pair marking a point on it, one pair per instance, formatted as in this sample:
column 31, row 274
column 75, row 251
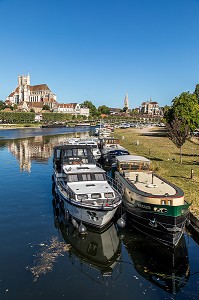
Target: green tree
column 103, row 109
column 93, row 110
column 178, row 132
column 2, row 105
column 186, row 108
column 182, row 118
column 196, row 92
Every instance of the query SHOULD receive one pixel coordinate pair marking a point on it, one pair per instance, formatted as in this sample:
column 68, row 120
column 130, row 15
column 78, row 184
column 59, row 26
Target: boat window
column 72, row 177
column 68, row 152
column 96, row 196
column 82, row 197
column 108, row 195
column 144, row 166
column 124, row 166
column 169, row 202
column 57, row 153
column 99, row 176
column 85, row 160
column 163, row 202
column 85, row 152
column 134, row 166
column 86, row 177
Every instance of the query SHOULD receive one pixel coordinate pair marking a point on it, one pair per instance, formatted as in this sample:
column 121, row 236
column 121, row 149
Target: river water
column 43, row 259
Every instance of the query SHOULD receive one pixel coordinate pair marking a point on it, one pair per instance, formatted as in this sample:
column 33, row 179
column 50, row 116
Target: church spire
column 126, row 101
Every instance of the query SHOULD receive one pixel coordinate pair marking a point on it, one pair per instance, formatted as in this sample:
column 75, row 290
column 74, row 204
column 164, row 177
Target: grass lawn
column 155, row 145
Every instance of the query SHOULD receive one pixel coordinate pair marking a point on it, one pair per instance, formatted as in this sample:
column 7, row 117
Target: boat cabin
column 72, row 154
column 108, row 142
column 132, row 163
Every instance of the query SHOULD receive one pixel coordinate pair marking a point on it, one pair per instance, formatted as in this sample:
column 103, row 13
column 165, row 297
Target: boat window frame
column 105, row 195
column 72, row 176
column 100, row 196
column 85, row 197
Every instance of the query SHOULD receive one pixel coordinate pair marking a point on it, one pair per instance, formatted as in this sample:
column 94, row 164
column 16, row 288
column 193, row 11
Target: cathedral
column 26, row 93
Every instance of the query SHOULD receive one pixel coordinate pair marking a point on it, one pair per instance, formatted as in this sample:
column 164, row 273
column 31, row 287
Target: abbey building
column 25, row 92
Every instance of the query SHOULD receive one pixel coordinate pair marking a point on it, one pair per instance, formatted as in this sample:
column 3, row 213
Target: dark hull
column 163, row 228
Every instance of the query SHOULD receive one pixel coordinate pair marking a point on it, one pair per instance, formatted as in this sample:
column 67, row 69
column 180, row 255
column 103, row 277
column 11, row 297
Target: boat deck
column 150, row 183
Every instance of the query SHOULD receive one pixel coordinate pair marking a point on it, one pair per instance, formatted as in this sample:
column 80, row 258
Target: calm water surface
column 41, row 258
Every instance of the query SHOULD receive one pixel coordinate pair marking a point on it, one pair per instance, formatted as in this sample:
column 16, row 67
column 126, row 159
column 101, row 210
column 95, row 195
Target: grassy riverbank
column 154, row 144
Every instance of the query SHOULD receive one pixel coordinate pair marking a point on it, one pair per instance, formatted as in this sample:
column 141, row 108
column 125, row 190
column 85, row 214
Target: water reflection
column 165, row 268
column 99, row 251
column 38, row 149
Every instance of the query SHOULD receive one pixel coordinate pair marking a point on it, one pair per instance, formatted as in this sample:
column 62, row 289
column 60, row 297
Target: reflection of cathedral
column 37, row 149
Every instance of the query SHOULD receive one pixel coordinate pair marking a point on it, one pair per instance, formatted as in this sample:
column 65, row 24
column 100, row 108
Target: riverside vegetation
column 154, row 144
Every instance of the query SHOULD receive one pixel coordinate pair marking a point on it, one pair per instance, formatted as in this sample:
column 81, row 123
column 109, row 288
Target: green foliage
column 16, row 117
column 185, row 108
column 55, row 117
column 134, row 112
column 93, row 110
column 2, row 105
column 103, row 109
column 196, row 92
column 178, row 131
column 182, row 118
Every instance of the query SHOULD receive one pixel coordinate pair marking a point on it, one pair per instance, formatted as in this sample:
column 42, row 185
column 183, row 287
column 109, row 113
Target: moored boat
column 82, row 188
column 110, row 148
column 92, row 142
column 153, row 205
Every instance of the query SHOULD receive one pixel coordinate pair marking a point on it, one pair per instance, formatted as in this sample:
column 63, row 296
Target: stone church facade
column 26, row 93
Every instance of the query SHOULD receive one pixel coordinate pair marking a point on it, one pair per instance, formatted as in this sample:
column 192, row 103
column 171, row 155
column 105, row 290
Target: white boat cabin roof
column 131, row 158
column 79, row 169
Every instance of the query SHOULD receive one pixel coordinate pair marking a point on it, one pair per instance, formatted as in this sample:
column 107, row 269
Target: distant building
column 150, row 108
column 115, row 111
column 26, row 93
column 71, row 108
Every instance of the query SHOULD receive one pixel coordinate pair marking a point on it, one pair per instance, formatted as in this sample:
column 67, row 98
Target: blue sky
column 99, row 50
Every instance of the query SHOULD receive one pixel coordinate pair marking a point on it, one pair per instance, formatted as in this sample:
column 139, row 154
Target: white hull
column 89, row 215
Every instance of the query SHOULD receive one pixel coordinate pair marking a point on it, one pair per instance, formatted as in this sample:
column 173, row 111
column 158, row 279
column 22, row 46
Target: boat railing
column 115, row 184
column 102, row 202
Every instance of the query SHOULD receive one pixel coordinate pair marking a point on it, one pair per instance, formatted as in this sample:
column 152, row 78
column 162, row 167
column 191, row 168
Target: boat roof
column 73, row 146
column 131, row 158
column 79, row 169
column 85, row 187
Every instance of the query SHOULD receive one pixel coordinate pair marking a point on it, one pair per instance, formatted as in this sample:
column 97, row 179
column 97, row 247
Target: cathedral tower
column 126, row 102
column 23, row 83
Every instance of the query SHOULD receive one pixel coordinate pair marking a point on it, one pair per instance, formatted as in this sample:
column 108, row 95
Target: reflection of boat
column 164, row 267
column 153, row 205
column 98, row 250
column 82, row 188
